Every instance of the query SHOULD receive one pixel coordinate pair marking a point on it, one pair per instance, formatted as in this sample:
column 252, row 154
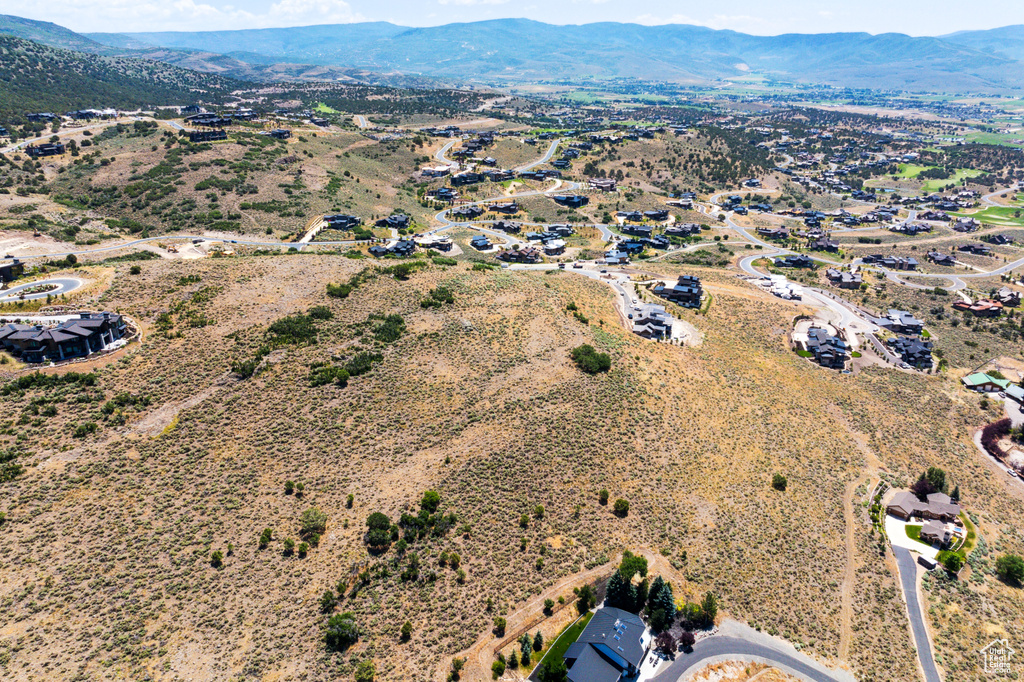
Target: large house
column 653, row 322
column 45, row 149
column 913, row 351
column 398, row 221
column 937, row 506
column 685, row 292
column 74, row 338
column 941, row 258
column 207, row 135
column 901, row 322
column 342, row 222
column 11, row 271
column 403, row 247
column 526, row 255
column 829, row 351
column 571, row 200
column 843, row 279
column 798, row 261
column 611, row 648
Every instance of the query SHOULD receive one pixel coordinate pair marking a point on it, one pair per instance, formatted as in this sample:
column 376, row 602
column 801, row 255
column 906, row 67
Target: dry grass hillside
column 105, row 559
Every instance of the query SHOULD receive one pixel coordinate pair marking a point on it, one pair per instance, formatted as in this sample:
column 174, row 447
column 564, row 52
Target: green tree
column 632, row 564
column 457, row 665
column 217, row 559
column 589, row 360
column 513, row 660
column 602, row 496
column 953, row 563
column 554, row 670
column 1010, row 568
column 937, row 477
column 621, row 507
column 538, row 511
column 328, row 601
column 538, row 641
column 526, row 648
column 289, row 487
column 621, row 593
column 586, row 598
column 660, row 598
column 289, row 546
column 406, row 631
column 365, row 672
column 642, row 590
column 499, row 626
column 779, row 482
column 956, row 490
column 431, row 500
column 498, row 667
column 341, row 632
column 709, row 608
column 303, row 549
column 313, row 522
column 265, row 537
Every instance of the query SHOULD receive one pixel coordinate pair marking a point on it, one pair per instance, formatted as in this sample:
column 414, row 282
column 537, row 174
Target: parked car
column 604, row 270
column 561, row 266
column 577, row 265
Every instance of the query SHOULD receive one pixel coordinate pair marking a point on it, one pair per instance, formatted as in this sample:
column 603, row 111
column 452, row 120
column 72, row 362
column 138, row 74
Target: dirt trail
column 850, row 519
column 154, row 423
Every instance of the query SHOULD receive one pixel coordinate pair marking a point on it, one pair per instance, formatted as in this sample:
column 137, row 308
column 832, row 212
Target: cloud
column 180, row 15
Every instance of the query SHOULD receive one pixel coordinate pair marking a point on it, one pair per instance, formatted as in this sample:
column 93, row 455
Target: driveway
column 896, row 529
column 738, row 642
column 908, row 580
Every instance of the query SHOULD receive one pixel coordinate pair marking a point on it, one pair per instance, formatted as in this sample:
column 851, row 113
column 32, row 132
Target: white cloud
column 180, row 15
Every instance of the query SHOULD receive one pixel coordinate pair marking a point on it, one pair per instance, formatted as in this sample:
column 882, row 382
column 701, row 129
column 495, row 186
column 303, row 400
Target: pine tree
column 621, row 593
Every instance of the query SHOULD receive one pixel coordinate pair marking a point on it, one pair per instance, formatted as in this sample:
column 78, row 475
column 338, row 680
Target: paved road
column 440, row 155
column 908, row 580
column 544, row 159
column 64, row 286
column 361, row 121
column 737, row 642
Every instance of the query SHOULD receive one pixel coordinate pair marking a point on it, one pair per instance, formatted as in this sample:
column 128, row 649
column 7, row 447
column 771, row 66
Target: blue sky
column 764, row 17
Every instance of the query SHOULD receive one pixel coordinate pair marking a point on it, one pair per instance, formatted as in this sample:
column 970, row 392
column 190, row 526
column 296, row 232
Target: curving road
column 542, row 160
column 65, row 285
column 908, row 580
column 738, row 642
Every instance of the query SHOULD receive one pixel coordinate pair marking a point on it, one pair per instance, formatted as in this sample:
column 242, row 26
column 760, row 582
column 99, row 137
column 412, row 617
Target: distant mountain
column 37, row 77
column 1007, row 41
column 518, row 50
column 509, row 51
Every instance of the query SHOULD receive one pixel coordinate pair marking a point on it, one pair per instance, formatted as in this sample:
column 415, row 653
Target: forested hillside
column 35, row 77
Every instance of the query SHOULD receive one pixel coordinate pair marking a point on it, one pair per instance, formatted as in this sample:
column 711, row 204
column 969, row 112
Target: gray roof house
column 611, row 648
column 937, row 506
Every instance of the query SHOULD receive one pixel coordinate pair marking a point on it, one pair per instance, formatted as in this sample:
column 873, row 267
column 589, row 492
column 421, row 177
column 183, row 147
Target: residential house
column 900, row 322
column 798, row 261
column 687, row 291
column 1008, row 297
column 976, row 249
column 524, row 255
column 843, row 279
column 602, row 184
column 775, row 233
column 280, row 133
column 941, row 258
column 616, row 257
column 612, row 648
column 443, row 194
column 342, row 222
column 480, row 242
column 11, row 271
column 197, row 136
column 983, row 383
column 823, row 244
column 937, row 533
column 508, row 207
column 999, row 239
column 396, row 221
column 653, row 322
column 829, row 351
column 554, row 247
column 983, row 307
column 913, row 351
column 74, row 338
column 508, row 226
column 435, row 242
column 403, row 247
column 468, row 212
column 45, row 149
column 467, row 179
column 937, row 506
column 571, row 200
column 659, row 215
column 683, row 230
column 966, row 224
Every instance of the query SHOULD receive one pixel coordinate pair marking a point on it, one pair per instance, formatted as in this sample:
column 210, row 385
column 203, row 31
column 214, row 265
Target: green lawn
column 914, row 533
column 1002, row 216
column 569, row 635
column 910, row 171
column 322, row 108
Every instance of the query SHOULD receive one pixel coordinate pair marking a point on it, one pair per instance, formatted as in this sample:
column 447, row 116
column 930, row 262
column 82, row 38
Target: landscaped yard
column 914, row 533
column 569, row 635
column 998, row 215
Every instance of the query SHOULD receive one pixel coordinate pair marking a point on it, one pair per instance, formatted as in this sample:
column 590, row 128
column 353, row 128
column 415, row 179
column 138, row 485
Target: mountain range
column 511, row 51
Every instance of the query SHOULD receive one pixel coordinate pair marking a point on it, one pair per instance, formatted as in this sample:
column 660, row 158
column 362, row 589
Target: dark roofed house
column 74, row 338
column 844, row 280
column 798, row 261
column 281, row 133
column 342, row 222
column 687, row 291
column 901, row 322
column 829, row 351
column 611, row 648
column 45, row 149
column 658, row 215
column 480, row 242
column 398, row 221
column 941, row 258
column 527, row 255
column 508, row 226
column 976, row 249
column 914, row 351
column 11, row 271
column 999, row 239
column 468, row 212
column 509, row 207
column 403, row 247
column 571, row 200
column 207, row 135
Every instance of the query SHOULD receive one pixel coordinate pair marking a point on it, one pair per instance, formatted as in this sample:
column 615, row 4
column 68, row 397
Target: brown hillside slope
column 106, row 552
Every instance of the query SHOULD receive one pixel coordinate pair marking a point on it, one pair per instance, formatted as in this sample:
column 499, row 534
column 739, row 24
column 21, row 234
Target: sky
column 761, row 17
